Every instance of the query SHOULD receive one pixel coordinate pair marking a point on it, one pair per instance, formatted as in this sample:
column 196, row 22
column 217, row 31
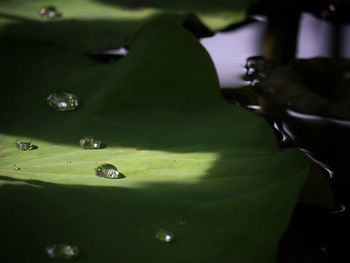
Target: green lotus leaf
column 184, row 151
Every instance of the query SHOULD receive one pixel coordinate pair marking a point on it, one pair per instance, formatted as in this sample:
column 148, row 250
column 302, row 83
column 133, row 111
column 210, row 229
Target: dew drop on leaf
column 63, row 101
column 23, row 145
column 164, row 235
column 108, row 171
column 15, row 167
column 62, row 251
column 49, row 12
column 90, row 142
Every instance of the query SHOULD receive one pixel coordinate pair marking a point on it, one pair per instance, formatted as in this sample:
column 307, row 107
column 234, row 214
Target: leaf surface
column 185, row 152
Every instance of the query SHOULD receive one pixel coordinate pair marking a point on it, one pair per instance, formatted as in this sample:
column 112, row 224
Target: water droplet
column 90, row 142
column 181, row 221
column 48, row 12
column 63, row 101
column 164, row 235
column 108, row 171
column 62, row 251
column 24, row 145
column 68, row 161
column 15, row 167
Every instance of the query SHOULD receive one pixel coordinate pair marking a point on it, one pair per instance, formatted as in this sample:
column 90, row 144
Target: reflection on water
column 324, row 139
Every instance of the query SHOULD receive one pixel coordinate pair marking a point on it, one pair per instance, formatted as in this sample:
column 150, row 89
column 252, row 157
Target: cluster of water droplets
column 64, row 101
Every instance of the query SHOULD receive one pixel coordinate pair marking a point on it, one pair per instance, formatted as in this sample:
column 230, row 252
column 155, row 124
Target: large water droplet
column 108, row 171
column 24, row 145
column 48, row 12
column 164, row 235
column 62, row 251
column 90, row 142
column 63, row 101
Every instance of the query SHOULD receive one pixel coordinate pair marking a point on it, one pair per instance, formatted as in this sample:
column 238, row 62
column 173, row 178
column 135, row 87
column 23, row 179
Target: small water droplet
column 90, row 142
column 62, row 251
column 164, row 235
column 108, row 171
column 48, row 12
column 181, row 221
column 63, row 101
column 15, row 167
column 24, row 145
